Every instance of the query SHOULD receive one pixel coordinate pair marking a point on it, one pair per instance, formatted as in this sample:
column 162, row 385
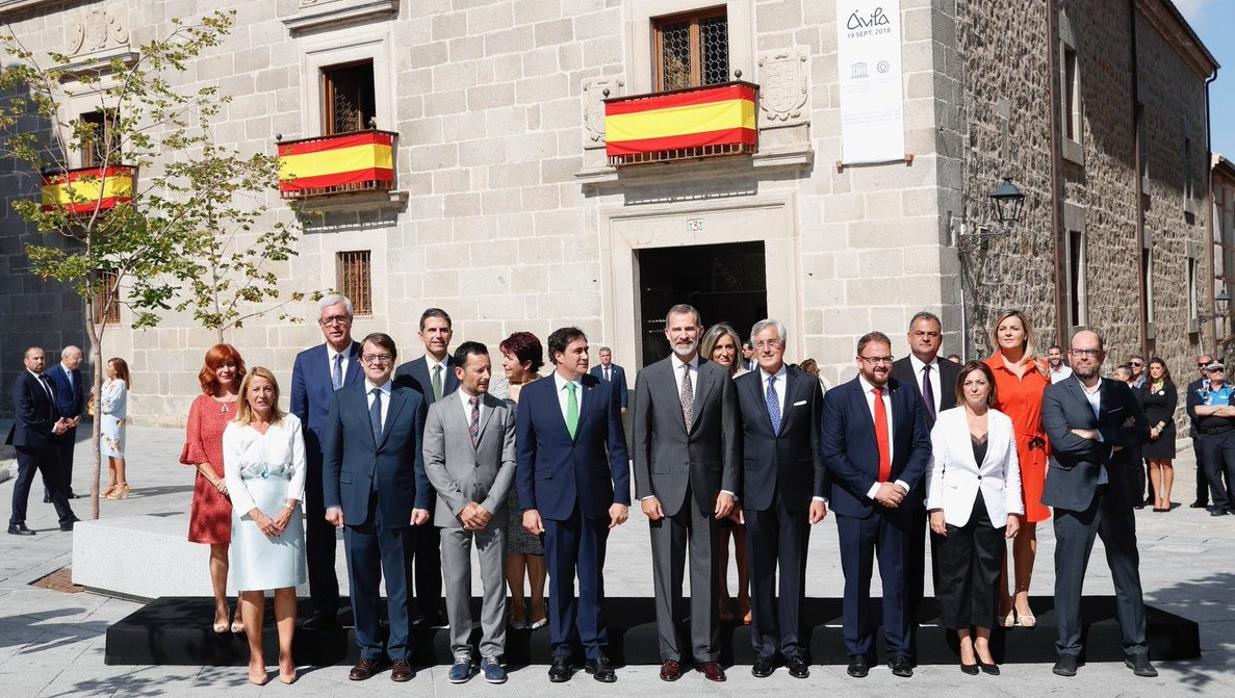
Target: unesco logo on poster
column 874, row 24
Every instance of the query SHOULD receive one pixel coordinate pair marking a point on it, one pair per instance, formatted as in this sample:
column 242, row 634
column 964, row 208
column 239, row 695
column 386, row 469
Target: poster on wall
column 868, row 55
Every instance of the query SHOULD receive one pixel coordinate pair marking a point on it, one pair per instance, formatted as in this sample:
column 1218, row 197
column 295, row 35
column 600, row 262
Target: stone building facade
column 507, row 213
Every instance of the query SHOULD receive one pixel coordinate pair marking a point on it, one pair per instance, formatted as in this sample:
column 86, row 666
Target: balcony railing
column 82, row 191
column 692, row 123
column 357, row 161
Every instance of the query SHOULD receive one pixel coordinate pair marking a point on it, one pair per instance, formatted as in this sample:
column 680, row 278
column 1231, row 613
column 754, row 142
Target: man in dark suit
column 686, row 478
column 36, row 426
column 71, row 401
column 375, row 489
column 877, row 448
column 1192, row 399
column 616, row 375
column 1095, row 427
column 783, row 493
column 433, row 376
column 574, row 485
column 316, row 375
column 935, row 382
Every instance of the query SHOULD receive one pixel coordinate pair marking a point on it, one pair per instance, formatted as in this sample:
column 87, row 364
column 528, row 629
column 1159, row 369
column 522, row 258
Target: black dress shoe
column 1198, row 504
column 19, row 530
column 858, row 667
column 1218, row 512
column 560, row 670
column 601, row 669
column 1065, row 666
column 320, row 621
column 47, row 499
column 1139, row 664
column 763, row 667
column 798, row 668
column 901, row 666
column 68, row 525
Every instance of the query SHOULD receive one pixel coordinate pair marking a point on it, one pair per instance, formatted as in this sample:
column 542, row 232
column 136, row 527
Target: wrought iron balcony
column 691, row 123
column 357, row 161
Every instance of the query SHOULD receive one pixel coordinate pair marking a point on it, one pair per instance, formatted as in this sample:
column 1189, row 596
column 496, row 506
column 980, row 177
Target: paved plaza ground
column 51, row 642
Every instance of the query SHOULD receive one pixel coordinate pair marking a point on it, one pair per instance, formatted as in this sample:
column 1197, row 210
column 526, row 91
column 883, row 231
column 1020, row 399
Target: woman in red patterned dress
column 211, row 519
column 1020, row 379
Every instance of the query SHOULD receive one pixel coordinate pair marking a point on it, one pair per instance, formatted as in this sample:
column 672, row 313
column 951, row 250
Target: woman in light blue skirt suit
column 264, row 465
column 113, row 411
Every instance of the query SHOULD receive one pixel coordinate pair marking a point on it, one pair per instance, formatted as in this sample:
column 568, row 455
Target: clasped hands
column 273, row 528
column 889, row 495
column 475, row 517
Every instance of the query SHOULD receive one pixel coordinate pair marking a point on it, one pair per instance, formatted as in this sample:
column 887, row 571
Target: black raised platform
column 176, row 630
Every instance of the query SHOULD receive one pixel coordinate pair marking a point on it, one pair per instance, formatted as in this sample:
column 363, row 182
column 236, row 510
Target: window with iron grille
column 690, row 50
column 94, row 147
column 106, row 298
column 348, row 99
column 355, row 280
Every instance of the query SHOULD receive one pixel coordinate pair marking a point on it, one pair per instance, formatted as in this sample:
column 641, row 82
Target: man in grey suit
column 469, row 452
column 686, row 477
column 1095, row 426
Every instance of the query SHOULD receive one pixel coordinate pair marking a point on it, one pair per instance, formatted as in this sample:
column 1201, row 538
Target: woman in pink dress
column 211, row 519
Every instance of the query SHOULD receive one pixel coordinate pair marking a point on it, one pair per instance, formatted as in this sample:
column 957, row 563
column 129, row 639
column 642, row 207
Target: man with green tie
column 433, row 376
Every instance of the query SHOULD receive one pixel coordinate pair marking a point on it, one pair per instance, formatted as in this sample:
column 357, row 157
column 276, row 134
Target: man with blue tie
column 36, row 426
column 876, row 446
column 71, row 401
column 375, row 489
column 316, row 375
column 614, row 374
column 574, row 485
column 782, row 495
column 433, row 376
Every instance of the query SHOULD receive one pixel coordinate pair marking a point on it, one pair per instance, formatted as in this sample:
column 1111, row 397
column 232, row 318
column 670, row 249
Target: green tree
column 192, row 235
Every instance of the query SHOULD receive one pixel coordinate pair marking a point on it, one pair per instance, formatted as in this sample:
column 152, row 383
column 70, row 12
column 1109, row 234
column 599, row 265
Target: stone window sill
column 788, row 158
column 1073, row 152
column 358, row 201
column 322, row 14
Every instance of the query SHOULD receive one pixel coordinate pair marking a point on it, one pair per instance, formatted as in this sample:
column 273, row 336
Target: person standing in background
column 1059, row 367
column 113, row 411
column 1191, row 400
column 71, row 400
column 616, row 375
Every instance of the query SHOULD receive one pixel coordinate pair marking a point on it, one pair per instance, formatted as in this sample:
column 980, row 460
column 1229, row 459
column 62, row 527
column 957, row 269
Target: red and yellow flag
column 336, row 161
column 711, row 116
column 83, row 190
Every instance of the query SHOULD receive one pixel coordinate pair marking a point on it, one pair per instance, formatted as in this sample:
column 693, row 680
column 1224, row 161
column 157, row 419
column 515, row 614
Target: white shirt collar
column 430, row 362
column 465, row 398
column 780, row 375
column 384, row 387
column 39, row 376
column 331, row 353
column 678, row 363
column 868, row 386
column 559, row 382
column 918, row 364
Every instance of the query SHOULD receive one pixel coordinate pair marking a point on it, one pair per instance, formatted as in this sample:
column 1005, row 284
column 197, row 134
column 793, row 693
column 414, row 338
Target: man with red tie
column 876, row 447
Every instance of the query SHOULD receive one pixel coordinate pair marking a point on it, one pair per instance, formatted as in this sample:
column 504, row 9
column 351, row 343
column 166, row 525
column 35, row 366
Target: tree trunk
column 96, row 421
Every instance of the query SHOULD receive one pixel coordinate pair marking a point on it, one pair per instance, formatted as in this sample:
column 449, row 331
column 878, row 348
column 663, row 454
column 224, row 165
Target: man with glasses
column 784, row 491
column 1137, row 364
column 1215, row 424
column 1191, row 400
column 1096, row 428
column 319, row 372
column 376, row 490
column 877, row 447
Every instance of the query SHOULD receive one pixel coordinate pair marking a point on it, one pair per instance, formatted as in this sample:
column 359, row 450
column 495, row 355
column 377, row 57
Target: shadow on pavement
column 1206, row 600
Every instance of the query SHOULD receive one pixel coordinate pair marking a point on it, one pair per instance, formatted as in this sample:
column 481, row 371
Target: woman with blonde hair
column 264, row 464
column 723, row 345
column 1020, row 379
column 113, row 410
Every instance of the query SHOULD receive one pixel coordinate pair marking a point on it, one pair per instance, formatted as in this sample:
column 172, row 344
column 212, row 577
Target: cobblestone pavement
column 51, row 642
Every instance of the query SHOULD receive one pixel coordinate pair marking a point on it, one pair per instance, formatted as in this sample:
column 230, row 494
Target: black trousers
column 64, row 447
column 1202, row 478
column 1218, row 451
column 776, row 540
column 320, row 543
column 969, row 558
column 46, row 460
column 424, row 566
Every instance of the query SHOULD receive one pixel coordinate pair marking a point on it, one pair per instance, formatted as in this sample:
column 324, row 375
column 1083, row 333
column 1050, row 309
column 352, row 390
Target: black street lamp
column 1009, row 200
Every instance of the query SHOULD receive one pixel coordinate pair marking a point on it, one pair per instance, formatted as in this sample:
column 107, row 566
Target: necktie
column 375, row 414
column 45, row 381
column 881, row 436
column 773, row 405
column 572, row 410
column 437, row 382
column 688, row 397
column 474, row 422
column 336, row 375
column 928, row 392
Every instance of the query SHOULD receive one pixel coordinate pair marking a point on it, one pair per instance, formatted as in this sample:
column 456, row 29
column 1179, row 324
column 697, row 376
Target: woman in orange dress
column 1020, row 380
column 211, row 519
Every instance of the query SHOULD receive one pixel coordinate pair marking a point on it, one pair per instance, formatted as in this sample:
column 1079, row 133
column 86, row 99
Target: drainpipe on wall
column 1052, row 56
column 1138, row 127
column 1209, row 226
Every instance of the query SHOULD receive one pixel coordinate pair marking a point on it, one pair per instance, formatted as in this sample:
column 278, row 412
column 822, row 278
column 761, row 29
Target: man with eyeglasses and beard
column 1215, row 425
column 1192, row 398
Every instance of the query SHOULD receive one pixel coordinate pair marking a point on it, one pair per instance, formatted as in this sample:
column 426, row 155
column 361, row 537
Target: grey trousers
column 671, row 536
column 490, row 547
column 1074, row 539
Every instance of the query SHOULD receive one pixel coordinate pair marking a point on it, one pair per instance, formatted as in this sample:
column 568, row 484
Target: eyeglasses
column 1202, row 366
column 768, row 344
column 875, row 360
column 377, row 359
column 1135, row 363
column 335, row 320
column 1090, row 353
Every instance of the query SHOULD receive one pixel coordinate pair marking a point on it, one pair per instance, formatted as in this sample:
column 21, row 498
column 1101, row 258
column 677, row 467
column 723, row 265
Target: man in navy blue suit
column 782, row 494
column 36, row 426
column 433, row 376
column 877, row 448
column 71, row 401
column 574, row 485
column 616, row 375
column 316, row 375
column 375, row 489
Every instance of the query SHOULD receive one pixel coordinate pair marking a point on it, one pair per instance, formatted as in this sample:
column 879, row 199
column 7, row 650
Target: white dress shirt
column 1094, row 396
column 606, row 372
column 781, row 379
column 1058, row 374
column 934, row 377
column 384, row 396
column 560, row 384
column 330, row 354
column 886, row 397
column 68, row 374
column 467, row 405
column 678, row 374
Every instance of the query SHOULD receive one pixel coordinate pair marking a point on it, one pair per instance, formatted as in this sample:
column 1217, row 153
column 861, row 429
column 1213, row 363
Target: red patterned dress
column 211, row 517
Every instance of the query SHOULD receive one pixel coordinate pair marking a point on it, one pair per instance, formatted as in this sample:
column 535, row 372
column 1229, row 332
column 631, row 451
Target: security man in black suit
column 34, row 435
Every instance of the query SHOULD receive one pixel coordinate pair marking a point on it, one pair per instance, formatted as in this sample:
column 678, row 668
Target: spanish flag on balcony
column 83, row 190
column 360, row 160
column 689, row 120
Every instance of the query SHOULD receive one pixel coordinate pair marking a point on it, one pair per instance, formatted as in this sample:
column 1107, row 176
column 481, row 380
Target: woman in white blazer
column 974, row 500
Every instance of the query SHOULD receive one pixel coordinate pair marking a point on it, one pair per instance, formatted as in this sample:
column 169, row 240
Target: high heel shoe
column 121, row 492
column 970, row 669
column 107, row 493
column 256, row 681
column 1026, row 620
column 1009, row 620
column 991, row 669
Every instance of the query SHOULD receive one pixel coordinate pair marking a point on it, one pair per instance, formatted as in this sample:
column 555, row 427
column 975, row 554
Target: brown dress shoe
column 711, row 671
column 365, row 669
column 670, row 670
column 401, row 671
